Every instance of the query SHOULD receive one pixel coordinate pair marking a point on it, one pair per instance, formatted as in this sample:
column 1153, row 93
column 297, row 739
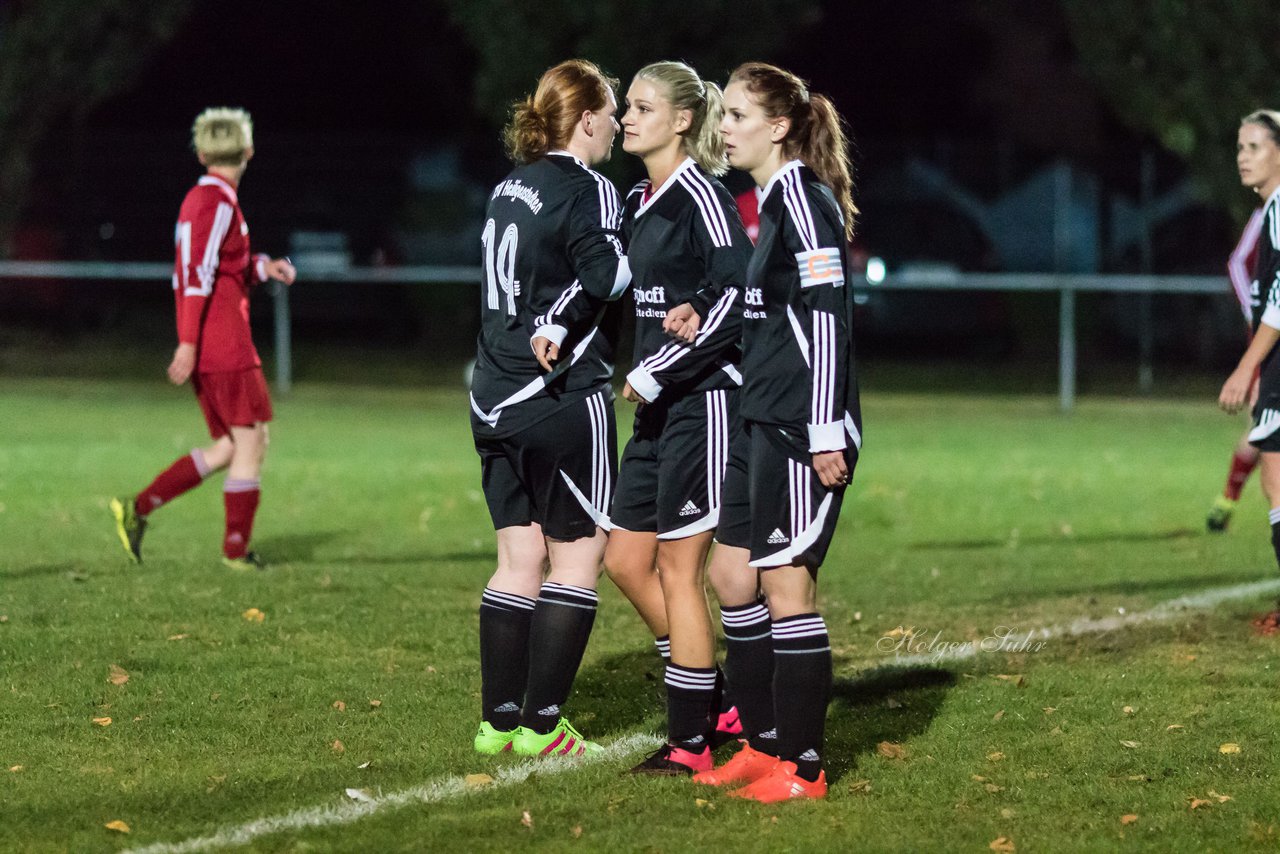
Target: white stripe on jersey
column 799, row 333
column 208, row 269
column 673, row 351
column 824, row 368
column 559, row 305
column 712, row 213
column 1241, row 278
column 798, row 206
column 1272, row 213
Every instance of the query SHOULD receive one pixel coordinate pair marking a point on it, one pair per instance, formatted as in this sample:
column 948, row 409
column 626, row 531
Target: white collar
column 215, row 181
column 687, row 164
column 789, row 166
column 1275, row 195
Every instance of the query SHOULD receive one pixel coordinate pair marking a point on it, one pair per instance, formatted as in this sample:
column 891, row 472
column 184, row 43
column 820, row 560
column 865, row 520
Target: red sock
column 1242, row 465
column 241, row 500
column 185, row 473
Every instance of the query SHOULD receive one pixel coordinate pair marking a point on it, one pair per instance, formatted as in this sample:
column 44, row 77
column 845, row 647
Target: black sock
column 562, row 621
column 801, row 689
column 748, row 664
column 1275, row 531
column 663, row 645
column 504, row 656
column 722, row 701
column 689, row 714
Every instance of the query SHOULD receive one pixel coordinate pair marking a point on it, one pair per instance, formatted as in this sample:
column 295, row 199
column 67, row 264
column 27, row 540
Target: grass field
column 968, row 514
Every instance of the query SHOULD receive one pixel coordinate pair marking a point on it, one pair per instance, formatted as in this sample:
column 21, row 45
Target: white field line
column 936, row 651
column 431, row 792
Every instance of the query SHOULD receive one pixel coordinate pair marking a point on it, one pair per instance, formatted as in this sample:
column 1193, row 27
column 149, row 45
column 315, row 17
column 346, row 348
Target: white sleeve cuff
column 553, row 332
column 1271, row 316
column 826, row 437
column 260, row 266
column 621, row 278
column 644, row 384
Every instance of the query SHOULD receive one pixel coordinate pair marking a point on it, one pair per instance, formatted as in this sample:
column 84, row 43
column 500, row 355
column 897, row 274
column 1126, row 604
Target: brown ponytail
column 817, row 136
column 544, row 121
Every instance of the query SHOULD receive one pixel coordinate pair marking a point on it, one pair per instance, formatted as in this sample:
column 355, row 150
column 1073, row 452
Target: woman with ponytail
column 544, row 426
column 801, row 429
column 686, row 244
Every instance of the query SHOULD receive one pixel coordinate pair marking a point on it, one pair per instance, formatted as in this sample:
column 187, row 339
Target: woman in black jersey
column 686, row 243
column 801, row 425
column 542, row 404
column 1258, row 161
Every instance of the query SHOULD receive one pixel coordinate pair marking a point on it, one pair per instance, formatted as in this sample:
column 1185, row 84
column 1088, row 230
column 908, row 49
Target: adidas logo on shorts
column 777, row 537
column 689, row 509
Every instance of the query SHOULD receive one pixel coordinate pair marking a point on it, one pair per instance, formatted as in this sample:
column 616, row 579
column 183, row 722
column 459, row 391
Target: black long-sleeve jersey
column 686, row 243
column 551, row 232
column 1265, row 302
column 798, row 362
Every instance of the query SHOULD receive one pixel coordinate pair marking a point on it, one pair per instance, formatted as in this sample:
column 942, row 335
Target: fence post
column 1067, row 349
column 284, row 344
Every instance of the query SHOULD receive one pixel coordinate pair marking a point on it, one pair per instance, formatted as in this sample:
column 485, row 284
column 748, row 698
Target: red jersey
column 749, row 209
column 212, row 273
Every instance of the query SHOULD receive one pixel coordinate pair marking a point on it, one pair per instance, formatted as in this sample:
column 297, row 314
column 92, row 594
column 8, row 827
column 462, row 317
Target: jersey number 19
column 500, row 271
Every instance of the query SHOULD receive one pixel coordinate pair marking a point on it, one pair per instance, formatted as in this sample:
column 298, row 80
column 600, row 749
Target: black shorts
column 558, row 472
column 775, row 504
column 1265, row 433
column 672, row 470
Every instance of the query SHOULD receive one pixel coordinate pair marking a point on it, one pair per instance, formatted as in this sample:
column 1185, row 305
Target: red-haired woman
column 542, row 406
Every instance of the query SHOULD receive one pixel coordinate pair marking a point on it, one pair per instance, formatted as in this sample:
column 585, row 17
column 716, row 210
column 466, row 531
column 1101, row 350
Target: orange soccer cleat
column 783, row 784
column 745, row 766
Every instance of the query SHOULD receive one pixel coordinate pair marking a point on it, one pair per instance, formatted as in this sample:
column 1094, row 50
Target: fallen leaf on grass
column 183, row 636
column 1196, row 803
column 526, row 819
column 1007, row 813
column 576, row 831
column 995, row 757
column 430, row 669
column 1129, row 710
column 1128, row 819
column 4, row 618
column 1132, row 745
column 1222, row 799
column 998, row 715
column 1048, row 710
column 339, row 705
column 360, row 795
column 253, row 615
column 1139, row 778
column 1056, row 731
column 475, row 781
column 375, row 704
column 214, row 783
column 861, row 787
column 15, row 768
column 364, row 765
column 993, row 788
column 703, row 804
column 1173, row 727
column 117, row 675
column 890, row 750
column 118, row 826
column 978, row 778
column 338, row 746
column 1229, row 747
column 102, row 721
column 891, row 703
column 900, row 632
column 1002, row 843
column 1016, row 678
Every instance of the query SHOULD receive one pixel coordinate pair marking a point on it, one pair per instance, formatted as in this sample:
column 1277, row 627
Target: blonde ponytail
column 685, row 90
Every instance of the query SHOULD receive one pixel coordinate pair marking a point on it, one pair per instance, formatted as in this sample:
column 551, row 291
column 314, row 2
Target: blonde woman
column 212, row 279
column 686, row 244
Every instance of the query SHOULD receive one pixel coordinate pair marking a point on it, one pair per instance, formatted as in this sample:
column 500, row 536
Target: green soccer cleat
column 1220, row 514
column 564, row 740
column 130, row 526
column 249, row 562
column 490, row 740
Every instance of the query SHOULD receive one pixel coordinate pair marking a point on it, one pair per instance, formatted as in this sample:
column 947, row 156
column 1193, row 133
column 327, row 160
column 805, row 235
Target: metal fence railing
column 1066, row 285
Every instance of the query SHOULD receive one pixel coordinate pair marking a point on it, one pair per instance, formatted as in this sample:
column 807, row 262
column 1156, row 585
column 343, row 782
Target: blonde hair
column 817, row 137
column 687, row 91
column 544, row 121
column 1268, row 119
column 223, row 135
